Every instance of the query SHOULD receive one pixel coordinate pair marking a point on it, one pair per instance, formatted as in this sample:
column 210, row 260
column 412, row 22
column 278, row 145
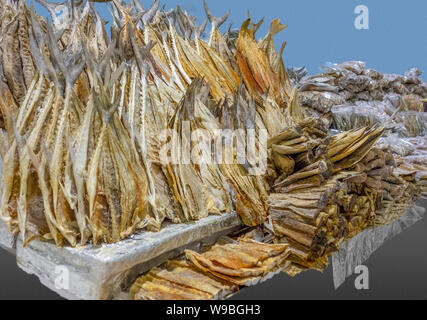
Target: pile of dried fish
column 348, row 96
column 326, row 190
column 214, row 274
column 314, row 221
column 179, row 280
column 97, row 141
column 414, row 174
column 413, row 182
column 85, row 119
column 243, row 263
column 385, row 188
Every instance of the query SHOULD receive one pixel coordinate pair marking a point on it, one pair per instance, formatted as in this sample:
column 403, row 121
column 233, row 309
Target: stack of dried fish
column 304, row 156
column 377, row 180
column 217, row 272
column 179, row 280
column 349, row 96
column 413, row 181
column 314, row 221
column 86, row 148
column 103, row 137
column 243, row 263
column 414, row 174
column 313, row 206
column 297, row 157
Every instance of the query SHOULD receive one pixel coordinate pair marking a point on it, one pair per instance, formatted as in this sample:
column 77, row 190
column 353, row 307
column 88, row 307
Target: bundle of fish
column 414, row 186
column 315, row 208
column 362, row 189
column 219, row 271
column 180, row 280
column 348, row 96
column 386, row 189
column 414, row 174
column 307, row 159
column 314, row 221
column 97, row 141
column 311, row 217
column 84, row 119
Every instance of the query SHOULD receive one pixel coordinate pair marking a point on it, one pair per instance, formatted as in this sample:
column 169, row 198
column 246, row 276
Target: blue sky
column 323, row 31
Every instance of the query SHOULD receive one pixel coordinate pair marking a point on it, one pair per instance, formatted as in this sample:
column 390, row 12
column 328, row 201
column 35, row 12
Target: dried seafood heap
column 216, row 273
column 242, row 263
column 180, row 280
column 84, row 119
column 314, row 208
column 393, row 188
column 87, row 122
column 324, row 190
column 348, row 95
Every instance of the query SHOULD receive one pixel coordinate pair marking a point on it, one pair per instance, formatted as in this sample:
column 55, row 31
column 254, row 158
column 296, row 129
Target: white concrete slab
column 103, row 272
column 6, row 240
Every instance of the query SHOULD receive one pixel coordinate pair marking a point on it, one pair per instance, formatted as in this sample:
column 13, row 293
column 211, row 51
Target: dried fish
column 179, row 280
column 102, row 137
column 241, row 263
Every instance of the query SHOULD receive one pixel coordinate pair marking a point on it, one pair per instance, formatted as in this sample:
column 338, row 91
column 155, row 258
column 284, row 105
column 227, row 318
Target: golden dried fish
column 84, row 117
column 179, row 280
column 241, row 263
